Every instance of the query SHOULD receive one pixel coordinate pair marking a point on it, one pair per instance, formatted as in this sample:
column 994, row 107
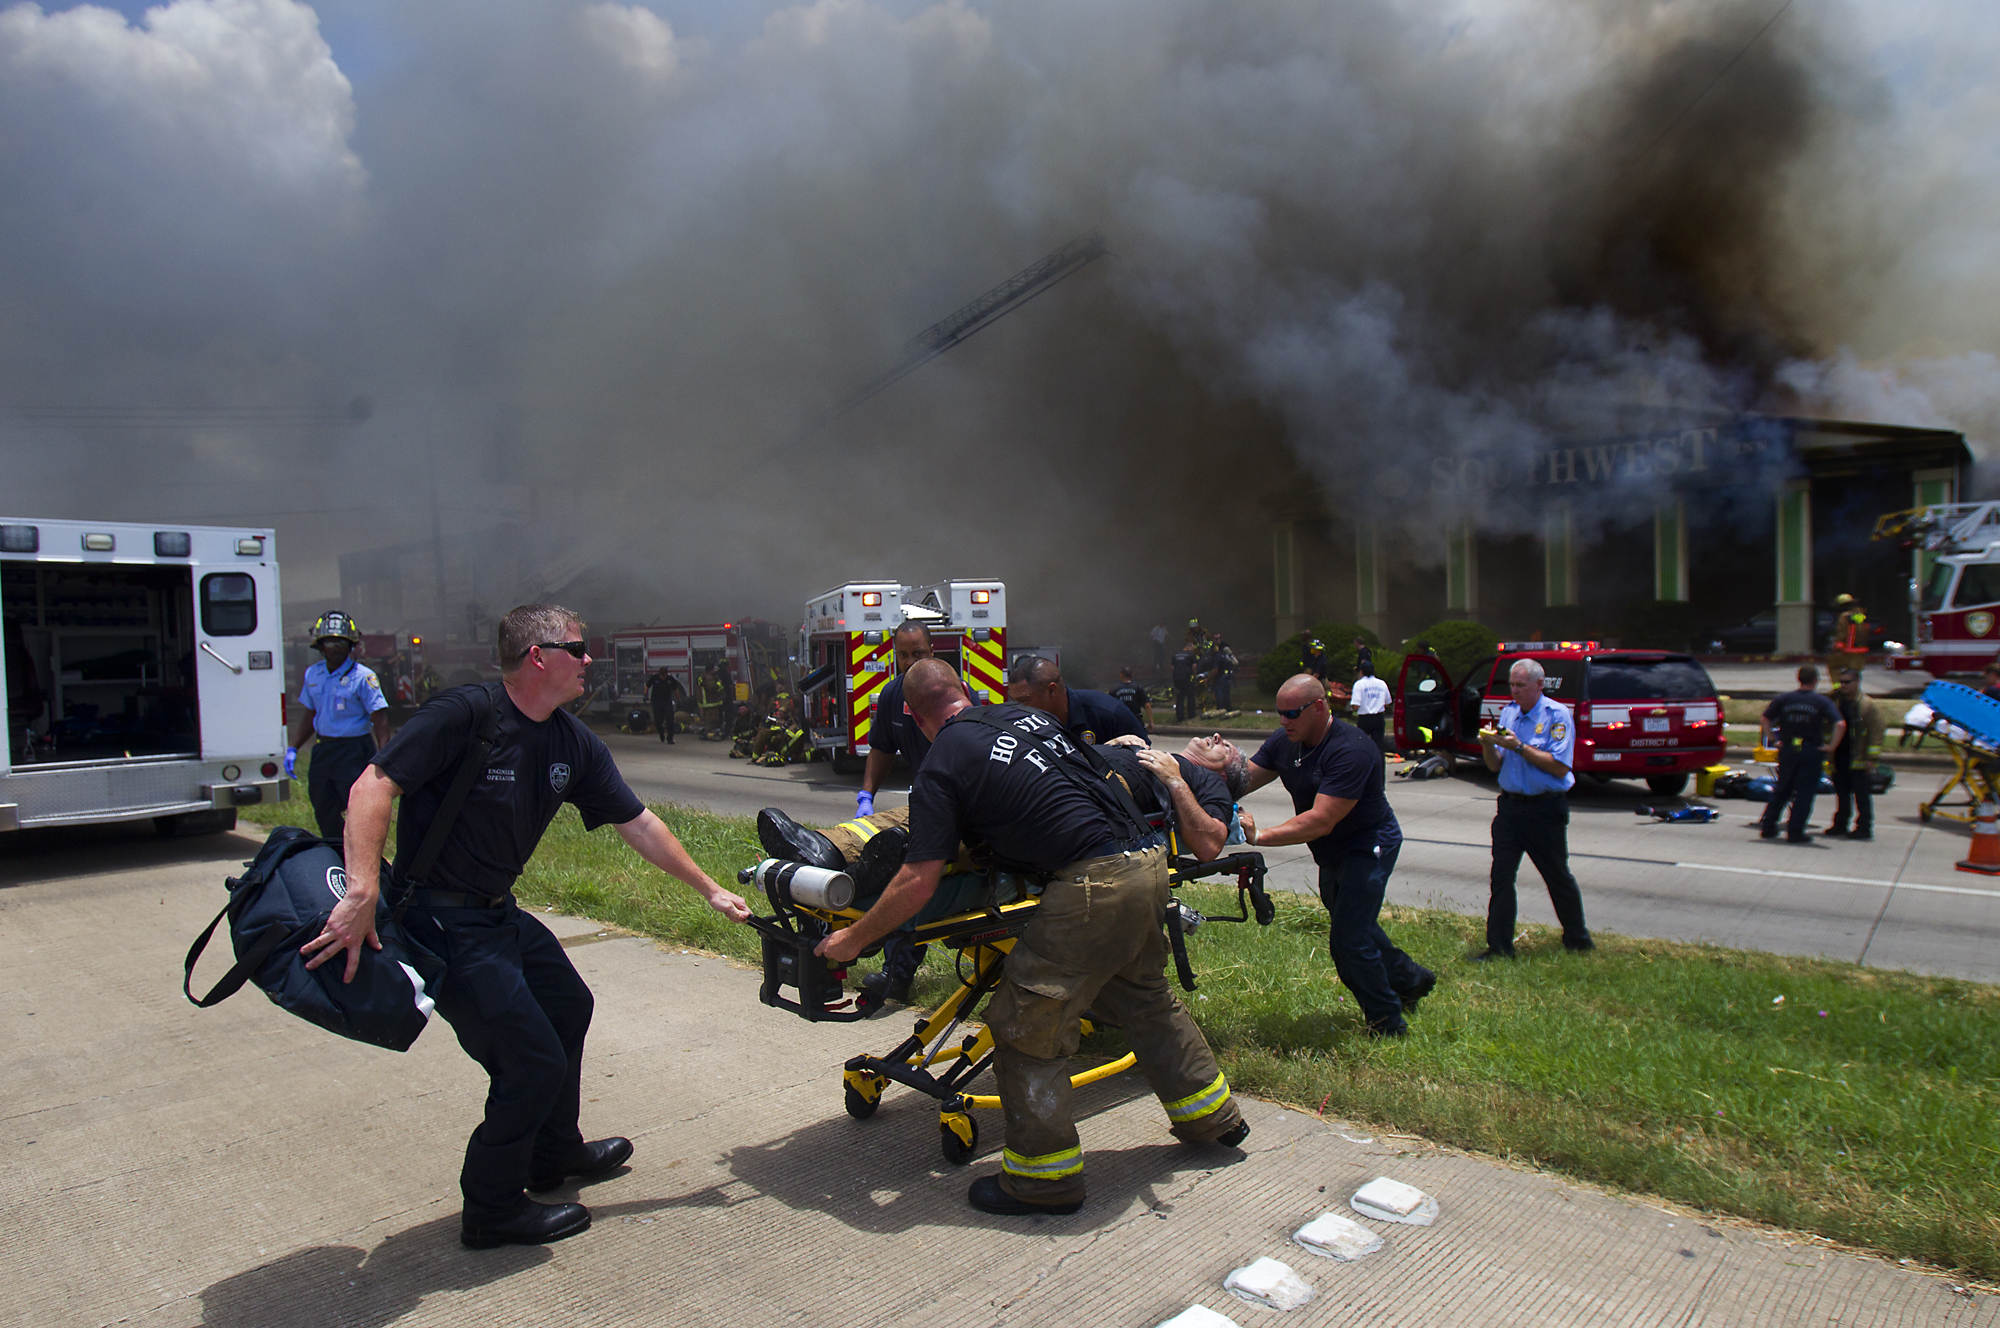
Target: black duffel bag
column 284, row 899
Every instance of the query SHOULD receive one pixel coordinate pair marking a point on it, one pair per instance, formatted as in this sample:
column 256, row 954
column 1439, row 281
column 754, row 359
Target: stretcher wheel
column 1924, row 812
column 959, row 1135
column 859, row 1104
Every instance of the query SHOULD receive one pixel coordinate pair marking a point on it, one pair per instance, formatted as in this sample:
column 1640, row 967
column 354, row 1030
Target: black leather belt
column 1533, row 797
column 455, row 899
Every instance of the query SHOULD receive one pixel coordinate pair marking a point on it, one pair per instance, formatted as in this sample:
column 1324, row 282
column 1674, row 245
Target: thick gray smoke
column 600, row 271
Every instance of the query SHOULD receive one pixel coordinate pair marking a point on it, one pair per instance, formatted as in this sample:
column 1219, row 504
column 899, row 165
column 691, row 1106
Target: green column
column 1461, row 568
column 1670, row 562
column 1558, row 558
column 1930, row 488
column 1795, row 585
column 1369, row 599
column 1289, row 609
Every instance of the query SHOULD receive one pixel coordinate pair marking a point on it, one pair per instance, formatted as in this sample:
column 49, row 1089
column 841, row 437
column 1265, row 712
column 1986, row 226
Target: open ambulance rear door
column 1422, row 704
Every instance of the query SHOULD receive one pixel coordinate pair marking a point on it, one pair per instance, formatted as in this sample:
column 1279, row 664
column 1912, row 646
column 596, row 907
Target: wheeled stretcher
column 936, row 1060
column 1968, row 724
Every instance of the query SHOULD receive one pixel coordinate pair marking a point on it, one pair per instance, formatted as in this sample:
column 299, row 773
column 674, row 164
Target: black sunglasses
column 1296, row 711
column 575, row 648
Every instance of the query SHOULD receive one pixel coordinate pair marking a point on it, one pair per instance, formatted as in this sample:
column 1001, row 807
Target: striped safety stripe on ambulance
column 986, row 668
column 868, row 667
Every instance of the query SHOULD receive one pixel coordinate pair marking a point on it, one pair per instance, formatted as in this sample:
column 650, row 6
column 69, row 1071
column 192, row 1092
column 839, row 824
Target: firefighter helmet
column 334, row 623
column 1842, row 601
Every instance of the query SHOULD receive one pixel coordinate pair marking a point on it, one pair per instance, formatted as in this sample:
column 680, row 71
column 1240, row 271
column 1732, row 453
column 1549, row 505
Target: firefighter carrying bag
column 284, row 899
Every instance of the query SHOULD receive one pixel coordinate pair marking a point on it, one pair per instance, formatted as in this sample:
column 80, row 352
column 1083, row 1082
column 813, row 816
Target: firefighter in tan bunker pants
column 1006, row 775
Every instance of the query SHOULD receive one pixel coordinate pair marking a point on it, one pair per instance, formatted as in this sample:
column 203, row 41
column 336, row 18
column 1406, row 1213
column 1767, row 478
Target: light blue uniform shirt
column 341, row 703
column 1548, row 727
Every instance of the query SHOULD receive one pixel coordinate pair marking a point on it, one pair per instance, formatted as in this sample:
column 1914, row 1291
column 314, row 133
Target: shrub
column 1288, row 656
column 1457, row 644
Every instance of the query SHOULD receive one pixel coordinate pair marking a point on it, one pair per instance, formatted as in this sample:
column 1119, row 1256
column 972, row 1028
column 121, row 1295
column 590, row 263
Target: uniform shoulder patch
column 1559, row 732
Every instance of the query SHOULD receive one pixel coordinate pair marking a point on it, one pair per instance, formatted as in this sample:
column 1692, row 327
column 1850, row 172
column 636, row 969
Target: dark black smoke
column 602, row 272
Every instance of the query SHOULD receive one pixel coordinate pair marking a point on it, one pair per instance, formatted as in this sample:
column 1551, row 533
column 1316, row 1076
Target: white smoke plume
column 262, row 261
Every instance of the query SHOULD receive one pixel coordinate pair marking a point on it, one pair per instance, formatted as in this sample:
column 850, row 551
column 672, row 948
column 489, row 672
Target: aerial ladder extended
column 926, row 346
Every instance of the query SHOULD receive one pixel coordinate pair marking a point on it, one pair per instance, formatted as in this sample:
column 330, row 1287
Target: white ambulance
column 144, row 675
column 846, row 651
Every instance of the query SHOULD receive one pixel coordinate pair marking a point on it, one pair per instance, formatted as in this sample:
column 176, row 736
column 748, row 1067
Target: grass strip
column 1821, row 1096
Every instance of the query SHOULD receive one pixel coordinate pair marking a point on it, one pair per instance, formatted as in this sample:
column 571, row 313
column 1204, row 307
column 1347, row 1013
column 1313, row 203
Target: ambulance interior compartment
column 100, row 659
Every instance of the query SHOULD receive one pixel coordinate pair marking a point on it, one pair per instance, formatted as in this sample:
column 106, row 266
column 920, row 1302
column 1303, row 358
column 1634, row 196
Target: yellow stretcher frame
column 1975, row 770
column 927, row 1063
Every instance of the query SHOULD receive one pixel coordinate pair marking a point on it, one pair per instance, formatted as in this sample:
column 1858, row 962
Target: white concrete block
column 1200, row 1316
column 1337, row 1237
column 1392, row 1201
column 1269, row 1283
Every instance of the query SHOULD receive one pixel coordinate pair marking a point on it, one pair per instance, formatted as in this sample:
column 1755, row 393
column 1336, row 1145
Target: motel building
column 1656, row 539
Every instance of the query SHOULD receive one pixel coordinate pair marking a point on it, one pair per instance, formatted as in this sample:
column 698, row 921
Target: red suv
column 1640, row 714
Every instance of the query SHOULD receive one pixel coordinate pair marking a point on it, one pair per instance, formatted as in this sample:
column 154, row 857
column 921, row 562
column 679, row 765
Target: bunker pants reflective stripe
column 1095, row 944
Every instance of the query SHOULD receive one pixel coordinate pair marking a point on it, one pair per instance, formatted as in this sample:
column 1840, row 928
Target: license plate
column 1655, row 726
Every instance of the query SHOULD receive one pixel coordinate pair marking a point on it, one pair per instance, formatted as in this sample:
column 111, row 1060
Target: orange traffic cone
column 1985, row 857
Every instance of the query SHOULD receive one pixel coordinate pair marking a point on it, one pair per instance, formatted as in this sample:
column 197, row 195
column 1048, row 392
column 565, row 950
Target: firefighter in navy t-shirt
column 1009, row 777
column 509, row 991
column 1134, row 698
column 1334, row 773
column 1803, row 721
column 1086, row 716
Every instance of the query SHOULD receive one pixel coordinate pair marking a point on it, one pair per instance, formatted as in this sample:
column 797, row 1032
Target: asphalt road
column 1895, row 903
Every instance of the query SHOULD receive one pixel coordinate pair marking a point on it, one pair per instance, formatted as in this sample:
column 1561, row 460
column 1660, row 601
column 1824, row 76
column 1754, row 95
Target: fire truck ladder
column 1942, row 527
column 926, row 346
column 995, row 304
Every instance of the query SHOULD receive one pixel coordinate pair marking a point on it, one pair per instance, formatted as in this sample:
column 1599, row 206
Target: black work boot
column 788, row 841
column 593, row 1161
column 881, row 858
column 535, row 1224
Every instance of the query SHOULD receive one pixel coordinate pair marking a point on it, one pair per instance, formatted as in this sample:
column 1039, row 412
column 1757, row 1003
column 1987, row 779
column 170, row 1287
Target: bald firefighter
column 1009, row 777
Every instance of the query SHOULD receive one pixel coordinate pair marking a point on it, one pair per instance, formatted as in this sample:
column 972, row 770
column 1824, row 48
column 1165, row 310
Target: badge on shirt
column 558, row 776
column 1090, row 737
column 1539, row 727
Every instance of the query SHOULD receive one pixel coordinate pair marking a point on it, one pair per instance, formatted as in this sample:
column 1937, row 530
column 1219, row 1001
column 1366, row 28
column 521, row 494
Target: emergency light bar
column 1548, row 645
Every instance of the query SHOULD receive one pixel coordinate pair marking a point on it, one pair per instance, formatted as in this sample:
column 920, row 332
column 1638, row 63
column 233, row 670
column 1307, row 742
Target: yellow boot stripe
column 1049, row 1166
column 1196, row 1105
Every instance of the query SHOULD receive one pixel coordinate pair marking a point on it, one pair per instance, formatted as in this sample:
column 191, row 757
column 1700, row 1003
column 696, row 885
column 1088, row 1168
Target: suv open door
column 1423, row 704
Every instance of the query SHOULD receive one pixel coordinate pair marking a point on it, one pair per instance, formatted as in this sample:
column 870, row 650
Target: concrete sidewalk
column 237, row 1168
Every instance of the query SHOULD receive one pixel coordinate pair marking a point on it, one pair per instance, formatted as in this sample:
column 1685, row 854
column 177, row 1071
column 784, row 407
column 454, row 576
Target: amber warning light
column 871, row 599
column 982, row 597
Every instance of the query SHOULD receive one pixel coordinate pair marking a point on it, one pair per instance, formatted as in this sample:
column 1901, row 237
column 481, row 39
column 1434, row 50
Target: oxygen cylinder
column 802, row 886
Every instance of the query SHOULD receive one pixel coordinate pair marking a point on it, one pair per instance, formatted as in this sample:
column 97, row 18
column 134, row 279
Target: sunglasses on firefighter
column 575, row 648
column 1296, row 711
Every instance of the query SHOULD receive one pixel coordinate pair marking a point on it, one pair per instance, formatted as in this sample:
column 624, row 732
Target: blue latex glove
column 864, row 803
column 291, row 763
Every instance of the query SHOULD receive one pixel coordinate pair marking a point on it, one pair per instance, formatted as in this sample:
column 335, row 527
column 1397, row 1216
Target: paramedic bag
column 283, row 901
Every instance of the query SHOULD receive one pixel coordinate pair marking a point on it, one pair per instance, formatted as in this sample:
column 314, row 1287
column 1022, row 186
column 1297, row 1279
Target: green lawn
column 1821, row 1096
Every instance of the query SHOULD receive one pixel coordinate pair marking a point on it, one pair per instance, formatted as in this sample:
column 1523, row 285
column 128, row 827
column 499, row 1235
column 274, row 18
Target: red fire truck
column 755, row 651
column 846, row 641
column 1640, row 714
column 1958, row 603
